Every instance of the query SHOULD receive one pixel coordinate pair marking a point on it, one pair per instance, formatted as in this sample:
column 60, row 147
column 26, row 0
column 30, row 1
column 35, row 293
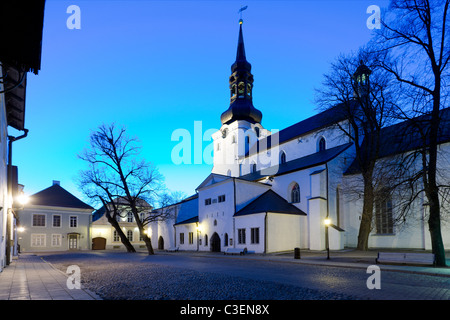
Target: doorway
column 73, row 241
column 215, row 242
column 98, row 243
column 161, row 243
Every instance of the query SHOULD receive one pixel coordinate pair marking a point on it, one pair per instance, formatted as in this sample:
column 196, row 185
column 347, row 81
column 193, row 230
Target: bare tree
column 415, row 37
column 359, row 93
column 121, row 180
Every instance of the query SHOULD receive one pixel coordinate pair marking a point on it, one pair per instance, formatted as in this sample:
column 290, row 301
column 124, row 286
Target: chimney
column 56, row 182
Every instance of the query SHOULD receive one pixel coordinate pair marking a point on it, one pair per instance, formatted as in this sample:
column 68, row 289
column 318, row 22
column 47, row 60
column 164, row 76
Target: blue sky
column 159, row 66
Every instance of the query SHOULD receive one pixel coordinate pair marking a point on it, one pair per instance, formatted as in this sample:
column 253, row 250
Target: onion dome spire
column 241, row 86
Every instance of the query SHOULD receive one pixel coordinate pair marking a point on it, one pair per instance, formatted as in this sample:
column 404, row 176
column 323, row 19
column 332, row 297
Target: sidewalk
column 31, row 278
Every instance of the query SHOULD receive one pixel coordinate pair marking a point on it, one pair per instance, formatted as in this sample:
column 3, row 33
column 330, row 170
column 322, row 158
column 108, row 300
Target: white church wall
column 283, row 232
column 246, row 223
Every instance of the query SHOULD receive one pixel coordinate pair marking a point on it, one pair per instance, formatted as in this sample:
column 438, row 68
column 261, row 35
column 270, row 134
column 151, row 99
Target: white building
column 55, row 220
column 271, row 192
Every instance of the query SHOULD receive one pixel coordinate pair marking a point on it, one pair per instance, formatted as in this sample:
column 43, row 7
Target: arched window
column 247, row 144
column 295, row 193
column 322, row 144
column 257, row 131
column 130, row 216
column 229, row 173
column 253, row 169
column 225, row 243
column 233, row 139
column 215, row 222
column 282, row 157
column 206, row 239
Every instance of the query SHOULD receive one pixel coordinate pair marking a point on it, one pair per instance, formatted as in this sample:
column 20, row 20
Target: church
column 273, row 192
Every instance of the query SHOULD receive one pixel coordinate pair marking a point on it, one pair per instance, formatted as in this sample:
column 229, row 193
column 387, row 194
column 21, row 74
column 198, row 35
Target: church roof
column 316, row 122
column 403, row 137
column 269, row 201
column 308, row 161
column 57, row 196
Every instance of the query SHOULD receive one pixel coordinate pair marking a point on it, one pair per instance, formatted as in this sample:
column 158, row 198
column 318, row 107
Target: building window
column 282, row 157
column 191, row 237
column 181, row 238
column 295, row 193
column 222, row 198
column 322, row 144
column 130, row 235
column 253, row 167
column 38, row 240
column 229, row 173
column 57, row 220
column 73, row 221
column 241, row 236
column 130, row 217
column 38, row 220
column 116, row 237
column 226, row 240
column 257, row 132
column 247, row 144
column 254, row 235
column 215, row 222
column 233, row 139
column 383, row 216
column 207, row 202
column 206, row 239
column 56, row 240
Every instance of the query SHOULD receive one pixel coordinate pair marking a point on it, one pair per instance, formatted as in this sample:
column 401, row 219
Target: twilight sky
column 159, row 66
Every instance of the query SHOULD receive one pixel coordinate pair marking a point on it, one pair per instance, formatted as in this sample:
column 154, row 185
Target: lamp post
column 327, row 222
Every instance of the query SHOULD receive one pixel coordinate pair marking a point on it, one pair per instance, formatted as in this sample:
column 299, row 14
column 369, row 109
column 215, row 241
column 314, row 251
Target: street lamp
column 327, row 223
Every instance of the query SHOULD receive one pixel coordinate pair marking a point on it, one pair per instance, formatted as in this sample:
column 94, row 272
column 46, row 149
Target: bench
column 235, row 251
column 174, row 249
column 406, row 258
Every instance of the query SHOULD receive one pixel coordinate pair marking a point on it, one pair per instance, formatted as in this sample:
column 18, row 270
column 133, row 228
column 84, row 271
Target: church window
column 241, row 236
column 181, row 238
column 191, row 237
column 224, row 133
column 206, row 239
column 116, row 237
column 247, row 144
column 218, row 146
column 383, row 215
column 282, row 157
column 249, row 89
column 322, row 144
column 222, row 198
column 226, row 240
column 229, row 173
column 215, row 222
column 130, row 217
column 233, row 90
column 207, row 202
column 253, row 167
column 257, row 132
column 295, row 193
column 233, row 139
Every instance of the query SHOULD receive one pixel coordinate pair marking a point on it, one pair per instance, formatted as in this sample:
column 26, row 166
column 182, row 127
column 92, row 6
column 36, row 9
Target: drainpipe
column 10, row 212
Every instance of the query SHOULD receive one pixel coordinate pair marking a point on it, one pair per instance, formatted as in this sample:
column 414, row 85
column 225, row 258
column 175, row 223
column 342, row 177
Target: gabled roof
column 212, row 179
column 311, row 160
column 57, row 196
column 403, row 137
column 321, row 120
column 269, row 201
column 187, row 221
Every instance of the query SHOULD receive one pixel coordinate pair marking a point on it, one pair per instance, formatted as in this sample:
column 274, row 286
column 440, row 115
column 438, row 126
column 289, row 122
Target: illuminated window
column 241, row 88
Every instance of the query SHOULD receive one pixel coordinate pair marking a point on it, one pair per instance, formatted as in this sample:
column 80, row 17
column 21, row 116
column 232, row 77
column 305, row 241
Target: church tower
column 241, row 122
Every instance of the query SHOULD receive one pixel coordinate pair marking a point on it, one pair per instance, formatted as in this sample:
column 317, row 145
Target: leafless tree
column 359, row 93
column 122, row 181
column 414, row 37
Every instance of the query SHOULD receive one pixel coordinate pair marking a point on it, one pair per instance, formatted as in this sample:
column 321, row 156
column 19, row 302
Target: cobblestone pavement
column 206, row 276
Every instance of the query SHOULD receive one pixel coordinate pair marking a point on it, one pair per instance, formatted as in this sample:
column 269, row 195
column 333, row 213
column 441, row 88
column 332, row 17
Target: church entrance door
column 215, row 242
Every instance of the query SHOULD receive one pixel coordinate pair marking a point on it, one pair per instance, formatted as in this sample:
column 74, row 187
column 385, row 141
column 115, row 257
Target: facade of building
column 105, row 236
column 55, row 220
column 20, row 53
column 271, row 192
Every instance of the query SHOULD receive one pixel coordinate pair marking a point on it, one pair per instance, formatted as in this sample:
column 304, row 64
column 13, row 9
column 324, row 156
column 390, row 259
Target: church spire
column 241, row 86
